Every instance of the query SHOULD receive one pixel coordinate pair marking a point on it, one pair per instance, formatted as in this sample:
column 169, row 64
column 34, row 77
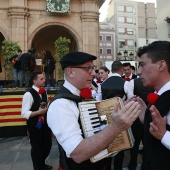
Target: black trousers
column 137, row 130
column 41, row 142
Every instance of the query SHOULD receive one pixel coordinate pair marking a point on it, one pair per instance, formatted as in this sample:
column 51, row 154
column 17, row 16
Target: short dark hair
column 105, row 69
column 116, row 66
column 34, row 75
column 126, row 64
column 156, row 51
column 97, row 71
column 19, row 51
column 133, row 68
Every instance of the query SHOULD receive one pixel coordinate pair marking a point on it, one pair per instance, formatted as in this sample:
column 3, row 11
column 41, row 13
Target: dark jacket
column 27, row 61
column 49, row 64
column 156, row 156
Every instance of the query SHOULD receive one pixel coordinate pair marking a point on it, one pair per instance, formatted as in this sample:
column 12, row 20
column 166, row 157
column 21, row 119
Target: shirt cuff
column 71, row 144
column 26, row 114
column 165, row 140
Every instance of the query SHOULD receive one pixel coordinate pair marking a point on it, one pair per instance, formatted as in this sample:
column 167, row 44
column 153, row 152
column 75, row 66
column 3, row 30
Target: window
column 129, row 31
column 121, row 31
column 108, row 38
column 121, row 43
column 129, row 9
column 121, row 19
column 101, row 38
column 109, row 51
column 130, row 42
column 121, row 8
column 101, row 51
column 129, row 20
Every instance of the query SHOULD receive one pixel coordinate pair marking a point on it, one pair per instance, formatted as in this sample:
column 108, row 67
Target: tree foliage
column 61, row 49
column 9, row 48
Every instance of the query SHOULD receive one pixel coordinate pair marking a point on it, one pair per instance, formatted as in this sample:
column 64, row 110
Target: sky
column 105, row 6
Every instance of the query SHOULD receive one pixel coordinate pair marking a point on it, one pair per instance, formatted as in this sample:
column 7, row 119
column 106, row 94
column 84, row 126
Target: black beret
column 75, row 58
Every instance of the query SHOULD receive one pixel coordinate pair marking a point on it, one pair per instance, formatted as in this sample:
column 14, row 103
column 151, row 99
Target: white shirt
column 62, row 118
column 166, row 138
column 27, row 102
column 126, row 89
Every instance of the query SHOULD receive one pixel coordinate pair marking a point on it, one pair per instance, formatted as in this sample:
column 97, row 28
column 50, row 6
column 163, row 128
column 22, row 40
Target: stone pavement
column 15, row 154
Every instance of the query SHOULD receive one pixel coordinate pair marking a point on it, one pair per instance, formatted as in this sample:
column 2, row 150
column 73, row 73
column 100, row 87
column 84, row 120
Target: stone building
column 28, row 23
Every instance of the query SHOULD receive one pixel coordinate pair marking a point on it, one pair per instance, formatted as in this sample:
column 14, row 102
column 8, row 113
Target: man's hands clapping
column 125, row 117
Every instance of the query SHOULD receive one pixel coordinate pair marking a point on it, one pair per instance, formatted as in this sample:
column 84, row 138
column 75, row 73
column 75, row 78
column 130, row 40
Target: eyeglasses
column 89, row 69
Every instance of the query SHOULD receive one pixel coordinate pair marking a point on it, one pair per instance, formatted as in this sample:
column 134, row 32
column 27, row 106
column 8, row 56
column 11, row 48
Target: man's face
column 148, row 71
column 81, row 77
column 127, row 71
column 40, row 81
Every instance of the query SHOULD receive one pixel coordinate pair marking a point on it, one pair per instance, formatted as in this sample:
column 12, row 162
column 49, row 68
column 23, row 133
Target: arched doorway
column 44, row 40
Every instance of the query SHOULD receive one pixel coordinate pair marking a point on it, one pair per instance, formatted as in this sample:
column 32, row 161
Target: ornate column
column 90, row 26
column 18, row 22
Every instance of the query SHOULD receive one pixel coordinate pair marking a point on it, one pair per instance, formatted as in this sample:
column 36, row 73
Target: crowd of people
column 149, row 124
column 25, row 63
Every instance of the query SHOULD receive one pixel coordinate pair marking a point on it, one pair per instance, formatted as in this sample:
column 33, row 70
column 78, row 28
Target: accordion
column 95, row 116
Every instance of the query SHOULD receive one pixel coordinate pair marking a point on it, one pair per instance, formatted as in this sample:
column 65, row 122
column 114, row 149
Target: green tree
column 61, row 49
column 9, row 48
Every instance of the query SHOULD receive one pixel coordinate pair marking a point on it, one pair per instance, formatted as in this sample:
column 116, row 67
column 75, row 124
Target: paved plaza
column 15, row 154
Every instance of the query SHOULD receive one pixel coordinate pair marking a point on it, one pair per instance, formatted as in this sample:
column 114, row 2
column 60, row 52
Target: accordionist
column 63, row 117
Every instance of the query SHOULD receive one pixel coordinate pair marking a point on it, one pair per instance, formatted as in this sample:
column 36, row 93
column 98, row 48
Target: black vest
column 70, row 163
column 156, row 156
column 141, row 91
column 113, row 87
column 37, row 100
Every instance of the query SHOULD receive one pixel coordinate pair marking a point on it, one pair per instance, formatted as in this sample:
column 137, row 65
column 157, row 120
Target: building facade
column 135, row 26
column 107, row 43
column 163, row 20
column 28, row 23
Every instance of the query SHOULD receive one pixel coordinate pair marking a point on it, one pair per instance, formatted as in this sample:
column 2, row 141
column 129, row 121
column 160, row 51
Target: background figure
column 128, row 71
column 133, row 70
column 27, row 62
column 96, row 82
column 17, row 73
column 34, row 108
column 49, row 67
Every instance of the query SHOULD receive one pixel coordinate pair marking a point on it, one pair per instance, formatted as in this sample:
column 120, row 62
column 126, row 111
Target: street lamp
column 131, row 56
column 125, row 54
column 119, row 55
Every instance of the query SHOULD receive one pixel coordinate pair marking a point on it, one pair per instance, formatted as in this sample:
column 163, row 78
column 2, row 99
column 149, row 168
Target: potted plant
column 167, row 19
column 9, row 48
column 61, row 49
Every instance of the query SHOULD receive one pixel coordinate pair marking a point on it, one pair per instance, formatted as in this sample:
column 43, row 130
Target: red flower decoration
column 98, row 81
column 86, row 93
column 152, row 98
column 127, row 79
column 50, row 98
column 41, row 90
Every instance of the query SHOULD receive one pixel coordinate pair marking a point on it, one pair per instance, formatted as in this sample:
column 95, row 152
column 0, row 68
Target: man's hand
column 124, row 118
column 158, row 125
column 42, row 110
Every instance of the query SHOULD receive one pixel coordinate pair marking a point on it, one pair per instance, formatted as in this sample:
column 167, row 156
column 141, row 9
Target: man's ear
column 162, row 65
column 69, row 71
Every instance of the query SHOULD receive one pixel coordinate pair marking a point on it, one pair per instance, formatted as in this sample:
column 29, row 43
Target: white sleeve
column 99, row 93
column 166, row 140
column 27, row 102
column 129, row 88
column 62, row 118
